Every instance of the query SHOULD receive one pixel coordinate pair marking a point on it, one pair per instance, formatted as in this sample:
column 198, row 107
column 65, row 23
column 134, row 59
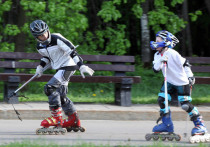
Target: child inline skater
column 61, row 54
column 179, row 79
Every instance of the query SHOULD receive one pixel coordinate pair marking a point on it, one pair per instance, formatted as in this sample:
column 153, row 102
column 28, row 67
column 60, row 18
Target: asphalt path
column 98, row 132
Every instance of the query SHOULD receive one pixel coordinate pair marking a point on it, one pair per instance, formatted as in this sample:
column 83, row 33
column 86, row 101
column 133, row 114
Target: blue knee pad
column 164, row 110
column 194, row 112
column 184, row 98
column 163, row 95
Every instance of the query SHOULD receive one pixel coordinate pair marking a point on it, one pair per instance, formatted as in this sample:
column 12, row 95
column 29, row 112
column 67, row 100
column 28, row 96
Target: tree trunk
column 188, row 32
column 20, row 38
column 132, row 28
column 207, row 2
column 145, row 35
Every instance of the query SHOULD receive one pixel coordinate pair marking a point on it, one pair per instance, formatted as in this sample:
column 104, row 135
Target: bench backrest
column 113, row 62
column 200, row 64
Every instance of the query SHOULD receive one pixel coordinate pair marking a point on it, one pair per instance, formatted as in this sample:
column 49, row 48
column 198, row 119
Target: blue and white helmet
column 169, row 40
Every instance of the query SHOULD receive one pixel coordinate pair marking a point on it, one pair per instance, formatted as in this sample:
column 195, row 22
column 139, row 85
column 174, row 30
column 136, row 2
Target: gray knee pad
column 53, row 96
column 187, row 106
column 49, row 89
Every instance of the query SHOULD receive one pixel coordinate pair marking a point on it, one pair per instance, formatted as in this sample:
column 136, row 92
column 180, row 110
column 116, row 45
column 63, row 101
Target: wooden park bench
column 118, row 65
column 200, row 65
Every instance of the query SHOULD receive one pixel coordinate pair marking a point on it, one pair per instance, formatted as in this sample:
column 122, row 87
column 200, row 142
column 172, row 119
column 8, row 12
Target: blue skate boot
column 199, row 132
column 200, row 128
column 165, row 130
column 166, row 125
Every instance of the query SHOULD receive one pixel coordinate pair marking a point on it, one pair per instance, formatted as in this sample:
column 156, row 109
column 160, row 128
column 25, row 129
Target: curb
column 39, row 110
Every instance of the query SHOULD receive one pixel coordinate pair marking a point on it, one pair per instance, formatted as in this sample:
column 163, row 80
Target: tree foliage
column 161, row 15
column 4, row 28
column 110, row 35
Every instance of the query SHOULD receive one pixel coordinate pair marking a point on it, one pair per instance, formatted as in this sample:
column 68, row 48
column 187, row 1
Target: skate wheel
column 148, row 137
column 207, row 139
column 178, row 138
column 202, row 139
column 192, row 139
column 197, row 139
column 38, row 132
column 162, row 138
column 63, row 132
column 170, row 138
column 44, row 132
column 56, row 132
column 69, row 129
column 82, row 129
column 155, row 138
column 50, row 132
column 76, row 129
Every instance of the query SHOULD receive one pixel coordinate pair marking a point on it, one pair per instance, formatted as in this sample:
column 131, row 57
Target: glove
column 191, row 80
column 85, row 69
column 39, row 70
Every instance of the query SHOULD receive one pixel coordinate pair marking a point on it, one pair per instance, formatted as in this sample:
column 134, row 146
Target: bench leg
column 123, row 92
column 9, row 87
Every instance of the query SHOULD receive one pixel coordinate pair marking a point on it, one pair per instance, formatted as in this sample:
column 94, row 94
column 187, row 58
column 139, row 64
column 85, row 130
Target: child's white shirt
column 175, row 73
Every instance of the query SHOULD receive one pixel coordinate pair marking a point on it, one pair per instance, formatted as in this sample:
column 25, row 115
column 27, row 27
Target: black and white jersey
column 59, row 52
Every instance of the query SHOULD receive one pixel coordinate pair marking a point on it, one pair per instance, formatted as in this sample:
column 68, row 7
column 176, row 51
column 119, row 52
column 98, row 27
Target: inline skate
column 73, row 123
column 55, row 120
column 199, row 132
column 164, row 131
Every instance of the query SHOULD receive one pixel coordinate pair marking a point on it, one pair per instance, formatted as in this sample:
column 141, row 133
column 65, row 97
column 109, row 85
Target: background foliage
column 99, row 27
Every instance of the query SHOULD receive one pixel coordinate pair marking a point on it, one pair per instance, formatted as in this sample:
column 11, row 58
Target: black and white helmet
column 39, row 27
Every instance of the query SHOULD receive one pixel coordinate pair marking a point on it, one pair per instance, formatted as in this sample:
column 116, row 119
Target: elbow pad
column 187, row 68
column 77, row 59
column 44, row 61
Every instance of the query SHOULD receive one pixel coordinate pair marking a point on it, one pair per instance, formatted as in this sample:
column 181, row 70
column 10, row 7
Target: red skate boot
column 73, row 123
column 55, row 120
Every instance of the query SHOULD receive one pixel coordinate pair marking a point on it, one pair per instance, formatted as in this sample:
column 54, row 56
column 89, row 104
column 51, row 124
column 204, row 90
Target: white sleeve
column 182, row 61
column 157, row 64
column 72, row 53
column 64, row 47
column 188, row 71
column 179, row 59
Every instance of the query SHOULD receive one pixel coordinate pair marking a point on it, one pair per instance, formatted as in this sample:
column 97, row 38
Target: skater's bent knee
column 49, row 89
column 64, row 100
column 161, row 102
column 187, row 106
